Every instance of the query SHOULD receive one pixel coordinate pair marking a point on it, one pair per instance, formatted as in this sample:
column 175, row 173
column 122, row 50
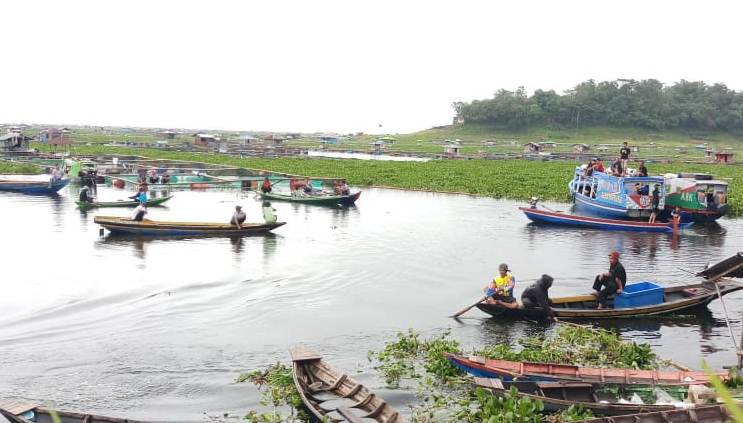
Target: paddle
column 461, row 312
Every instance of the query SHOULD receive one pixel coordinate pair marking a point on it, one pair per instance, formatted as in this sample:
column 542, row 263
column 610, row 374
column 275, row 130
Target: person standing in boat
column 85, row 196
column 500, row 289
column 238, row 218
column 624, row 153
column 611, row 282
column 655, row 203
column 266, row 186
column 139, row 212
column 537, row 295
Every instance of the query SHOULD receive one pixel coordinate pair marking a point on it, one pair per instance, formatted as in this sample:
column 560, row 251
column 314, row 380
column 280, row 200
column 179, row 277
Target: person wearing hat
column 238, row 218
column 611, row 282
column 500, row 289
column 537, row 295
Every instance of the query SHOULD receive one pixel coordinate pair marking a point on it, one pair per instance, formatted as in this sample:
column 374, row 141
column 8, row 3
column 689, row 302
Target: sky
column 337, row 66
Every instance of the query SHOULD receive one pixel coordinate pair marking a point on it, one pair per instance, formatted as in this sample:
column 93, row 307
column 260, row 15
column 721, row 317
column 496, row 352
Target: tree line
column 646, row 103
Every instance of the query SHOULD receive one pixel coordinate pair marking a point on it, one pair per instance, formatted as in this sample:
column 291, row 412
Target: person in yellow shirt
column 500, row 289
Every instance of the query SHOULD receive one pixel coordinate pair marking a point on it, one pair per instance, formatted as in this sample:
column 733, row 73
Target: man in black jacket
column 536, row 295
column 611, row 282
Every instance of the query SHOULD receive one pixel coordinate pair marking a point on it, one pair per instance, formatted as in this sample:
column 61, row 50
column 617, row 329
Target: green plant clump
column 278, row 392
column 7, row 167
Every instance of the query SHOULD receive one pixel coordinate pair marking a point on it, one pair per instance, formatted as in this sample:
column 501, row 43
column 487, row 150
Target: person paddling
column 537, row 295
column 238, row 218
column 500, row 289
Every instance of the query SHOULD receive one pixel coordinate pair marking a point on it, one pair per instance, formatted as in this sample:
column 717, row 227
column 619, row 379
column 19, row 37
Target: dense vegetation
column 620, row 103
column 18, row 168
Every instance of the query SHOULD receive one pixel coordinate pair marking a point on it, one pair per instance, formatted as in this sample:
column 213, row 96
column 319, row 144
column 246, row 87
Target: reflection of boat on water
column 181, row 229
column 331, row 395
column 32, row 184
column 16, row 411
column 543, row 216
column 699, row 197
column 614, row 197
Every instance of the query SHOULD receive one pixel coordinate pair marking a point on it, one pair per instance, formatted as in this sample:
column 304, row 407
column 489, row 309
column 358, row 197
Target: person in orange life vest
column 500, row 289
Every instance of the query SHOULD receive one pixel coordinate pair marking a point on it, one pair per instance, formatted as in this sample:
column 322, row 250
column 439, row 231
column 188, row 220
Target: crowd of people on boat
column 153, row 176
column 536, row 296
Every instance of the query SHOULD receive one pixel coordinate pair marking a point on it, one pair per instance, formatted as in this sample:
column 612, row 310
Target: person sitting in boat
column 616, row 168
column 165, row 178
column 655, row 204
column 85, row 196
column 238, row 218
column 500, row 289
column 599, row 165
column 153, row 176
column 588, row 171
column 139, row 212
column 642, row 171
column 537, row 295
column 266, row 186
column 611, row 282
column 269, row 213
column 343, row 188
column 642, row 189
column 307, row 188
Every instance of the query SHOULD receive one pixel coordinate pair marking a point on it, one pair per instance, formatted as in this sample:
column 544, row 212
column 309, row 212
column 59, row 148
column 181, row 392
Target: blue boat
column 32, row 184
column 543, row 216
column 614, row 197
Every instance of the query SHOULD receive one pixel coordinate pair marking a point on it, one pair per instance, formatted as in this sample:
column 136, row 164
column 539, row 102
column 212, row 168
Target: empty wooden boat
column 683, row 298
column 702, row 414
column 184, row 229
column 521, row 370
column 317, row 199
column 330, row 394
column 32, row 184
column 122, row 203
column 18, row 411
column 558, row 396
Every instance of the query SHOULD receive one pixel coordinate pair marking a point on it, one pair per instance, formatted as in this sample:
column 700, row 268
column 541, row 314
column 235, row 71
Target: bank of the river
column 17, row 168
column 512, row 179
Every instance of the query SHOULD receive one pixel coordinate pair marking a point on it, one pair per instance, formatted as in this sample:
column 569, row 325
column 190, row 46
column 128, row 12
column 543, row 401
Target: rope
column 727, row 320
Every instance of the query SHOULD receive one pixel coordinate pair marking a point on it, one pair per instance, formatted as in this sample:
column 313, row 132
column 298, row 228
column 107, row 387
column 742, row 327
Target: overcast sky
column 314, row 65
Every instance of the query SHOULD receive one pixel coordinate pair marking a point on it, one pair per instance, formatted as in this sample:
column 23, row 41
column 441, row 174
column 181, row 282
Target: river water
column 159, row 329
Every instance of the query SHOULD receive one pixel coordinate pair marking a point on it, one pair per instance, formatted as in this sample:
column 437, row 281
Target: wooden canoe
column 122, row 203
column 683, row 298
column 559, row 396
column 701, row 414
column 566, row 219
column 17, row 411
column 330, row 394
column 185, row 229
column 318, row 199
column 520, row 370
column 33, row 187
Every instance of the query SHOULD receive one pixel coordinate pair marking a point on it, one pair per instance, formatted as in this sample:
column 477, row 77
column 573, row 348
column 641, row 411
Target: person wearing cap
column 611, row 282
column 238, row 218
column 500, row 289
column 537, row 295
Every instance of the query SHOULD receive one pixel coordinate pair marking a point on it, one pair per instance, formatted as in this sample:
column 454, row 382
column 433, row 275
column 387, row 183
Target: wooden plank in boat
column 304, row 353
column 17, row 406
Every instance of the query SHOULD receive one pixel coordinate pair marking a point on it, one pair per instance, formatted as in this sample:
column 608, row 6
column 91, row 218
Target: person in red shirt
column 599, row 165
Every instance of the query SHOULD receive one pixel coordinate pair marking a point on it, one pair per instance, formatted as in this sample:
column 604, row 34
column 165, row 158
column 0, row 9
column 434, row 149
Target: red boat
column 509, row 370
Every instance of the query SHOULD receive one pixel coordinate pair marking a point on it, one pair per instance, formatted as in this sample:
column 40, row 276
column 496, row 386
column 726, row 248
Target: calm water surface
column 160, row 329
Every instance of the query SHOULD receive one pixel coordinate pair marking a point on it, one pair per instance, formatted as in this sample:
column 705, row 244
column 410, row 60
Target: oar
column 461, row 312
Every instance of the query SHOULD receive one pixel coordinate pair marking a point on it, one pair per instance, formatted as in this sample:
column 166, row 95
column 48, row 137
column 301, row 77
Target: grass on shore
column 7, row 168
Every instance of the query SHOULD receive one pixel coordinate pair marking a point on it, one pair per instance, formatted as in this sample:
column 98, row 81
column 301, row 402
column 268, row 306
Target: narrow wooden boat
column 122, row 203
column 33, row 186
column 16, row 411
column 702, row 414
column 510, row 370
column 318, row 199
column 558, row 396
column 330, row 394
column 543, row 216
column 186, row 229
column 683, row 298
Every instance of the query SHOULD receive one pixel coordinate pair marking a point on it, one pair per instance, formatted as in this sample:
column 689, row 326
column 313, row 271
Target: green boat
column 122, row 203
column 317, row 199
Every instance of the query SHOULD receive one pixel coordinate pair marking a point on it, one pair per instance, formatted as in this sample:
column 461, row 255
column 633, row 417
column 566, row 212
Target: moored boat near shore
column 330, row 395
column 704, row 414
column 699, row 197
column 614, row 197
column 122, row 203
column 316, row 199
column 18, row 411
column 510, row 370
column 543, row 216
column 184, row 229
column 32, row 184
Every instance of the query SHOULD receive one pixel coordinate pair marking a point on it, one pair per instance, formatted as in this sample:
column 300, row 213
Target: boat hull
column 18, row 411
column 702, row 414
column 34, row 187
column 677, row 299
column 541, row 216
column 118, row 225
column 330, row 200
column 99, row 204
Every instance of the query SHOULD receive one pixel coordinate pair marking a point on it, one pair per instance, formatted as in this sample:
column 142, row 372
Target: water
column 365, row 156
column 159, row 329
